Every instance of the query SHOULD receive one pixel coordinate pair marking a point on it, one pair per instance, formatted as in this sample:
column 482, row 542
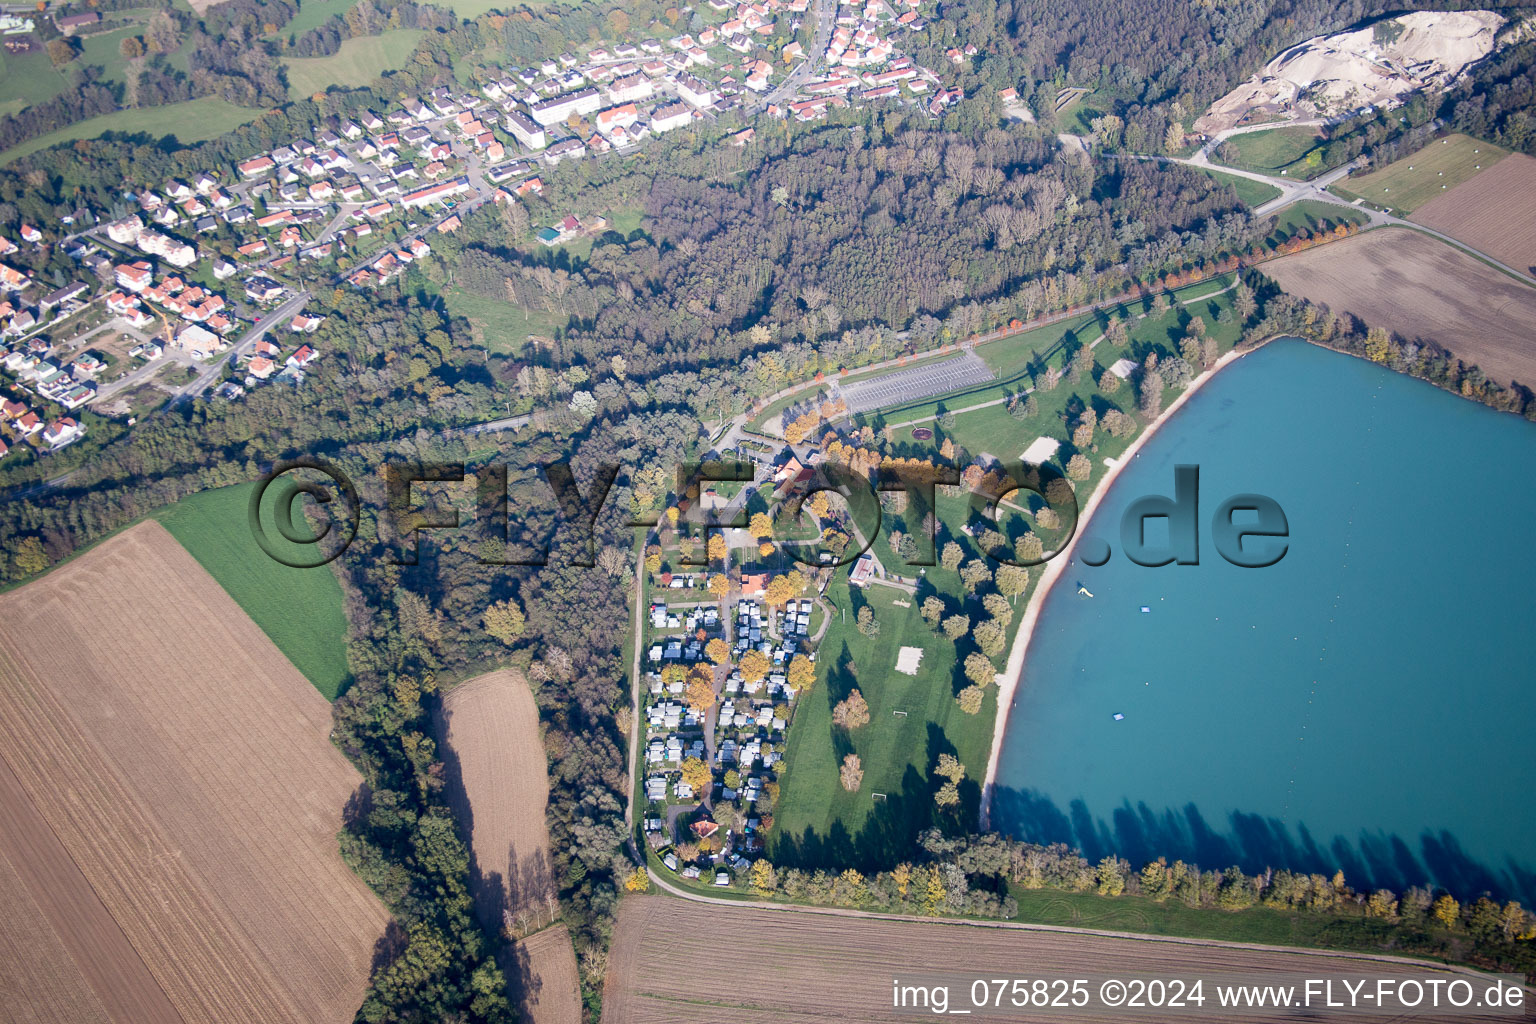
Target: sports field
column 300, row 609
column 358, row 62
column 912, row 720
column 171, row 801
column 1407, row 184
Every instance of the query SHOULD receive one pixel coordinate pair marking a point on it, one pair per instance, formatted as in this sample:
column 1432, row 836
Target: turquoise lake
column 1366, row 704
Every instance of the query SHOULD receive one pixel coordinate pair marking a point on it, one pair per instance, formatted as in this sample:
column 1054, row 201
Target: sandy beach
column 1052, row 572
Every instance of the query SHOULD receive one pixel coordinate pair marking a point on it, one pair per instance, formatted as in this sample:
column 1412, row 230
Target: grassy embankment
column 192, row 121
column 1297, row 152
column 1249, row 192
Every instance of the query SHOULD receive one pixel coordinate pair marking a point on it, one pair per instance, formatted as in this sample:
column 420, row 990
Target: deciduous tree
column 504, row 620
column 851, row 712
column 851, row 775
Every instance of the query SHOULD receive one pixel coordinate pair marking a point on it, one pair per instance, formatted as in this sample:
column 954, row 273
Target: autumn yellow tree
column 716, row 548
column 504, row 620
column 700, row 693
column 718, row 651
column 761, row 525
column 970, row 699
column 802, row 673
column 764, row 878
column 719, row 585
column 697, row 774
column 753, row 666
column 638, row 881
column 852, row 711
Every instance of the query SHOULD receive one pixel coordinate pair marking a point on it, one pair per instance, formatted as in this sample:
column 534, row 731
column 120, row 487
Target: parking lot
column 916, row 382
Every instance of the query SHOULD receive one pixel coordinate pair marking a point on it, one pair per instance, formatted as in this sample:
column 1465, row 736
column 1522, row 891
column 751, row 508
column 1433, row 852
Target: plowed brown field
column 1494, row 211
column 1422, row 289
column 546, row 965
column 799, row 968
column 171, row 803
column 491, row 725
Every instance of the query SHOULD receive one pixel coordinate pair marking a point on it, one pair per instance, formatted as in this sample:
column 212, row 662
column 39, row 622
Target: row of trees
column 978, row 875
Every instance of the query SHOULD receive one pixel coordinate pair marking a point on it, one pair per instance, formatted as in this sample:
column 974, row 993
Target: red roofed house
column 257, row 167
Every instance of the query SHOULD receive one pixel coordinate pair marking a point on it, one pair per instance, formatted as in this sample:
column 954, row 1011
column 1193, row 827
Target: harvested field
column 1406, row 184
column 1422, row 289
column 809, row 968
column 546, row 972
column 1494, row 211
column 172, row 803
column 492, row 727
column 500, row 785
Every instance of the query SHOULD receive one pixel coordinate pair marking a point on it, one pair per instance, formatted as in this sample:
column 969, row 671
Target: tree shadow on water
column 1254, row 842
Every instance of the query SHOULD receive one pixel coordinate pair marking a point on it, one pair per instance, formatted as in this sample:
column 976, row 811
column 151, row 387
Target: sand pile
column 1379, row 65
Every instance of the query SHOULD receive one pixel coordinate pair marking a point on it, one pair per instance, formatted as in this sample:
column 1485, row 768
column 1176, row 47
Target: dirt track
column 800, row 968
column 491, row 726
column 1421, row 288
column 1494, row 211
column 175, row 802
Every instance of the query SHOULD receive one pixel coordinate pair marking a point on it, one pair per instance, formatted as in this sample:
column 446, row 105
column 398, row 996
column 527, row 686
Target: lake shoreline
column 1014, row 671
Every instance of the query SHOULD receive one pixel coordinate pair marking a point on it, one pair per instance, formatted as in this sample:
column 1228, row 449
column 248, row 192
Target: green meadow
column 300, row 609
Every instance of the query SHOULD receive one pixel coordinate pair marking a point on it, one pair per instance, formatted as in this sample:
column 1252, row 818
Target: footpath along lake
column 1366, row 704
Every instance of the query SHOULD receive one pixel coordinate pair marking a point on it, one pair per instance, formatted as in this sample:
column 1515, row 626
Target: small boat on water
column 1083, row 591
column 1119, row 717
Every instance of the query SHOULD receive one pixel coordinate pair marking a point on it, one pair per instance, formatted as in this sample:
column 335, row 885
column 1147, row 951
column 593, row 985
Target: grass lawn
column 27, row 79
column 1146, row 916
column 1077, row 116
column 504, row 326
column 1294, row 150
column 1009, row 357
column 300, row 609
column 313, row 14
column 1309, row 213
column 1249, row 192
column 358, row 62
column 1407, row 184
column 816, row 821
column 192, row 121
column 102, row 50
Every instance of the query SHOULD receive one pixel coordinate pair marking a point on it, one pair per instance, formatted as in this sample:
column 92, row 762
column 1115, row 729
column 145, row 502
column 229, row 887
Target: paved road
column 825, row 12
column 215, row 368
column 495, row 426
column 1316, row 190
